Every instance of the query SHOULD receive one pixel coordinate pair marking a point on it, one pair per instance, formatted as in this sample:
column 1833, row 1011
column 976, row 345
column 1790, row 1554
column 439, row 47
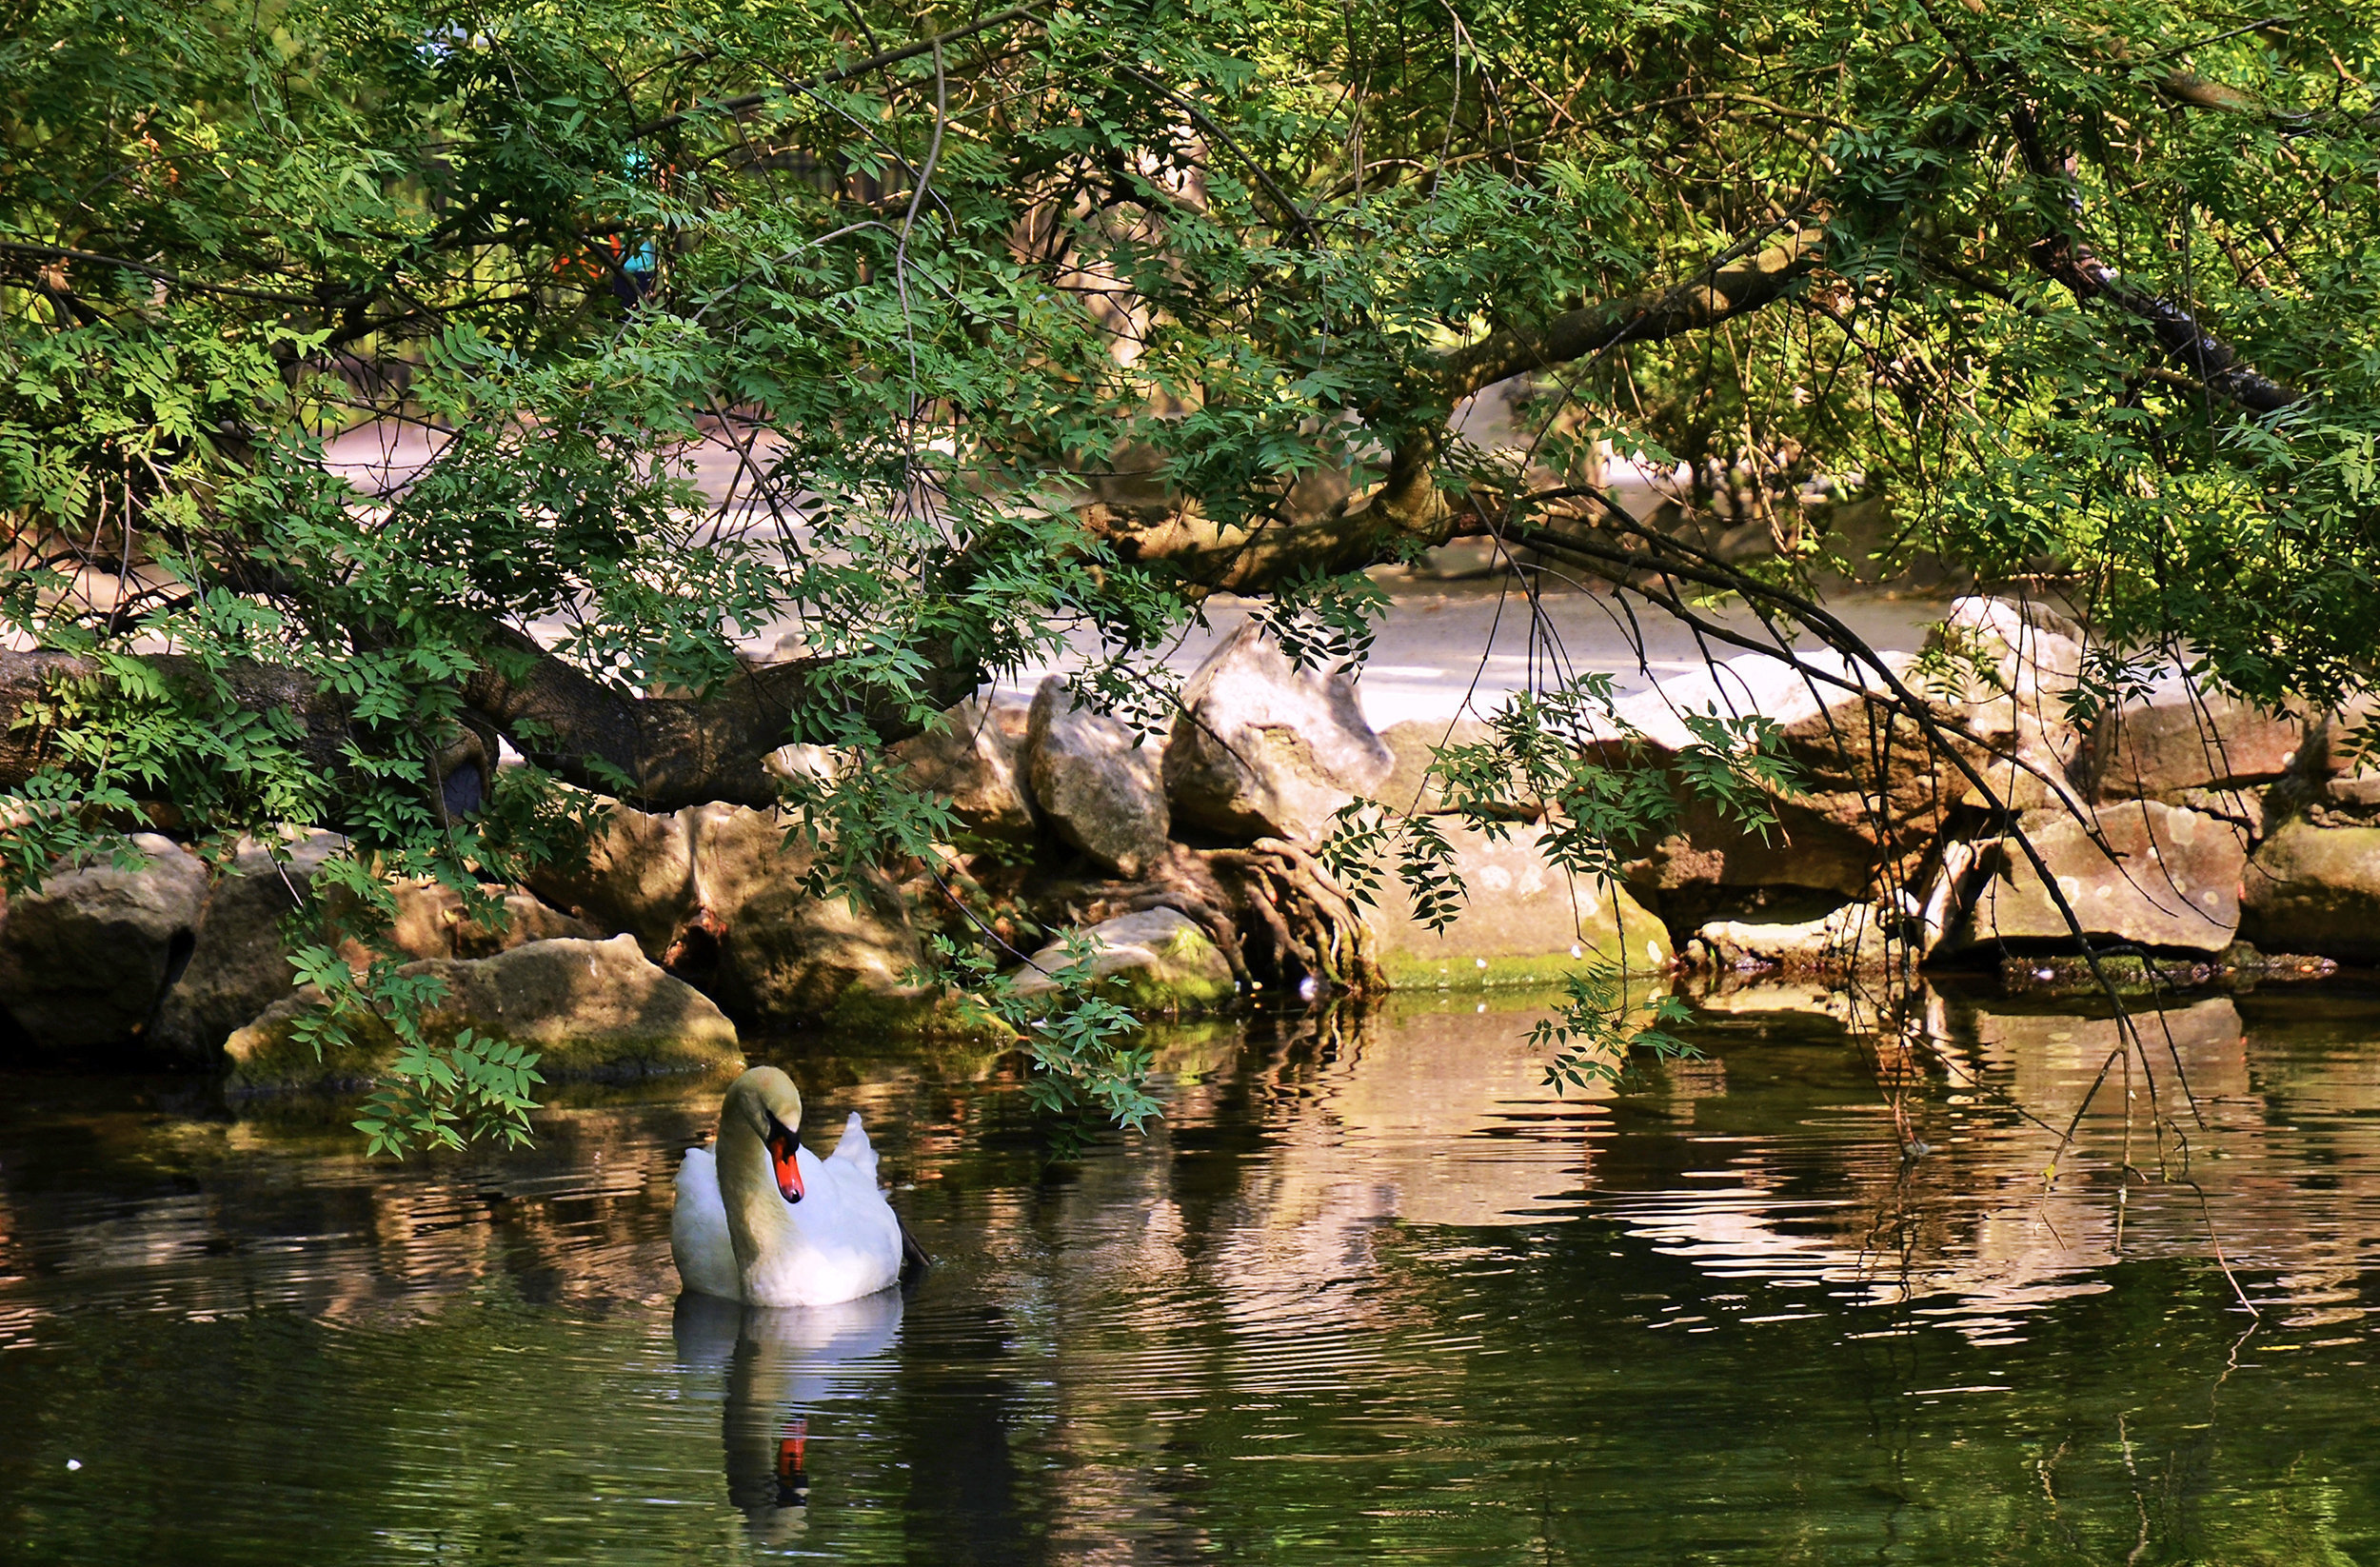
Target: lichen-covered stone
column 1524, row 921
column 1264, row 749
column 715, row 894
column 1094, row 782
column 2157, row 875
column 787, row 955
column 85, row 961
column 238, row 964
column 2315, row 889
column 2179, row 737
column 1869, row 794
column 638, row 878
column 592, row 1009
column 1159, row 961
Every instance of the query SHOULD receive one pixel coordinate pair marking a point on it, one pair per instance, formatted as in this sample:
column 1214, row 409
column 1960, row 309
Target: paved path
column 1447, row 645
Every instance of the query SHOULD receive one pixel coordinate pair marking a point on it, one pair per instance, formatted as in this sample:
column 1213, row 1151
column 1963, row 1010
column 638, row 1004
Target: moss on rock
column 591, row 1009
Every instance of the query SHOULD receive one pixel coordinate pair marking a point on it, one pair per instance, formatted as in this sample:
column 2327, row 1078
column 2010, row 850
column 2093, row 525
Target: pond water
column 1371, row 1294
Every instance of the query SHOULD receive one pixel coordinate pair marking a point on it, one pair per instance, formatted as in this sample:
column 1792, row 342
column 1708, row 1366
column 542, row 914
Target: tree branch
column 840, row 74
column 673, row 751
column 1720, row 294
column 2063, row 257
column 1408, row 510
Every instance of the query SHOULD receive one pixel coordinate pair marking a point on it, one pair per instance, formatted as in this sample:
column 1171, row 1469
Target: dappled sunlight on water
column 1371, row 1293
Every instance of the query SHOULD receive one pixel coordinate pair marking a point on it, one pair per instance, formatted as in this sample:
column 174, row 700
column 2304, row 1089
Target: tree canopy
column 1002, row 327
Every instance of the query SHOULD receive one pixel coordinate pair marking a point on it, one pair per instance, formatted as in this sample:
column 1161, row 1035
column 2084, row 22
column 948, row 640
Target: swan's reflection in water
column 779, row 1367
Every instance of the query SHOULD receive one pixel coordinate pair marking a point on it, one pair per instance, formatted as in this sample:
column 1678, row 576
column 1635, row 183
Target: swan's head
column 766, row 1099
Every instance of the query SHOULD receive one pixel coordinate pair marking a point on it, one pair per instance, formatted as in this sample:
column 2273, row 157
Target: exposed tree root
column 1313, row 929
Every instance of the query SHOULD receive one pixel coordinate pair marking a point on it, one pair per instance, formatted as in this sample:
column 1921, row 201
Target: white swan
column 762, row 1220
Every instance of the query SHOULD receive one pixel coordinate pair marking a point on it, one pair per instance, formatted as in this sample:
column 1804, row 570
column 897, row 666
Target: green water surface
column 1371, row 1294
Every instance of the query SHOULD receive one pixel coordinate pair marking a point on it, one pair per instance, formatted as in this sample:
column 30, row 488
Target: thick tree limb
column 673, row 751
column 2215, row 363
column 2063, row 257
column 29, row 680
column 1408, row 511
column 1704, row 302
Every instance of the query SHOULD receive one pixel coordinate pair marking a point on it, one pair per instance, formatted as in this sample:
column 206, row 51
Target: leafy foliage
column 475, row 1088
column 1089, row 1053
column 922, row 341
column 1569, row 765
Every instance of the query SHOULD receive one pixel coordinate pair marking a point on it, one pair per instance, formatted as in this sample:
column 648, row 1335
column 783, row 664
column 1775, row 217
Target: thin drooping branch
column 840, row 73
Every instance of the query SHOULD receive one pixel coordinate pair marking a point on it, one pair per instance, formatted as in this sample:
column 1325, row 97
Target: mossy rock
column 591, row 1009
column 917, row 1016
column 1158, row 962
column 1524, row 922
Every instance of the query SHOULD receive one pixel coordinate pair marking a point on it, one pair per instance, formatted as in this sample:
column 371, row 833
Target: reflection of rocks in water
column 779, row 1369
column 283, row 1212
column 2049, row 1059
column 1433, row 1110
column 1934, row 1143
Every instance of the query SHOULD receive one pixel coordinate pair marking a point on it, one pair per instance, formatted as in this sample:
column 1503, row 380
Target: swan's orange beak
column 782, row 1147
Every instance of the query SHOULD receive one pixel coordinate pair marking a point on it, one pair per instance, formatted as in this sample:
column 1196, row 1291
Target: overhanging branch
column 1718, row 295
column 1407, row 509
column 673, row 751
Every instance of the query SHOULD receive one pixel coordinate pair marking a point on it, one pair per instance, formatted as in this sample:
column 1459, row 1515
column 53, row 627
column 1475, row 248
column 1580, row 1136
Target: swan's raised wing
column 699, row 1240
column 855, row 1150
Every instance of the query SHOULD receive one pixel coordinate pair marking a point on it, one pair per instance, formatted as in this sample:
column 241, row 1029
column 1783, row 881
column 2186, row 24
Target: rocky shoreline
column 1949, row 813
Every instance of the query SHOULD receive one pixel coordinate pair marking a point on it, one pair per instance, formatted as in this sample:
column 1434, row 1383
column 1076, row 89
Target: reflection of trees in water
column 1370, row 1237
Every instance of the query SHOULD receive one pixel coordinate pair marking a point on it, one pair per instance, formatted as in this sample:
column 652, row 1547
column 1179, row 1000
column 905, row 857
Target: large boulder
column 786, row 954
column 85, row 961
column 2019, row 650
column 2179, row 737
column 638, row 878
column 1524, row 921
column 972, row 756
column 714, row 893
column 1094, row 782
column 592, row 1009
column 239, row 965
column 433, row 922
column 1870, row 798
column 2157, row 875
column 2315, row 889
column 1264, row 749
column 2005, row 670
column 1412, row 748
column 1159, row 961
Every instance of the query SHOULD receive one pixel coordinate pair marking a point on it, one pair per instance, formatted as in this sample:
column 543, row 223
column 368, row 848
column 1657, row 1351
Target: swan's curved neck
column 759, row 1221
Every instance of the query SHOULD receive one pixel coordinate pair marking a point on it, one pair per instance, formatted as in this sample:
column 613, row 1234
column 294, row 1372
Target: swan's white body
column 735, row 1236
